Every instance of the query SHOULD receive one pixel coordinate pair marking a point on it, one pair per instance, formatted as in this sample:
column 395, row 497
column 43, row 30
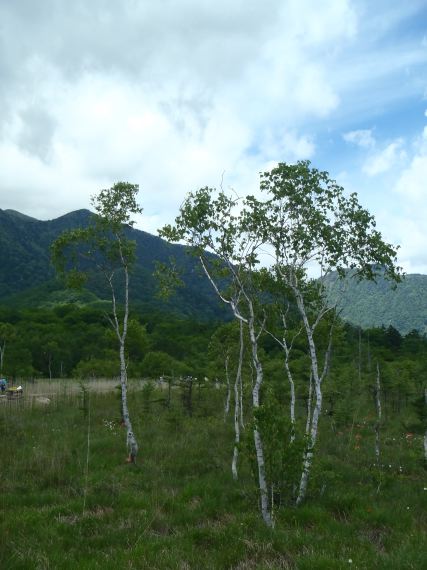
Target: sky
column 175, row 95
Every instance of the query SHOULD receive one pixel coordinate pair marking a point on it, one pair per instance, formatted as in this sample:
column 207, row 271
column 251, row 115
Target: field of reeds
column 69, row 499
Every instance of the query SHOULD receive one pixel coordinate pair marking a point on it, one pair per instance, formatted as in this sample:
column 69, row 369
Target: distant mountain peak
column 20, row 215
column 82, row 213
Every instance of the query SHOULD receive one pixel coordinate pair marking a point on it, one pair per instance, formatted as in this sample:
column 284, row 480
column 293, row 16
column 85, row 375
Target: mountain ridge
column 25, row 259
column 28, row 278
column 371, row 304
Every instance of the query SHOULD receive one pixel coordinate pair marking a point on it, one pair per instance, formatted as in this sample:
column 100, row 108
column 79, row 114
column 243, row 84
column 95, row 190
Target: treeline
column 72, row 341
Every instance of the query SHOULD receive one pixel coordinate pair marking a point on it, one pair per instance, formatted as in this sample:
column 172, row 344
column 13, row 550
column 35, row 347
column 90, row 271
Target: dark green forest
column 76, row 341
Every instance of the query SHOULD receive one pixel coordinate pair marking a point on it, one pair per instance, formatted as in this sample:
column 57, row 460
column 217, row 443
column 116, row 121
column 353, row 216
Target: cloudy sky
column 178, row 94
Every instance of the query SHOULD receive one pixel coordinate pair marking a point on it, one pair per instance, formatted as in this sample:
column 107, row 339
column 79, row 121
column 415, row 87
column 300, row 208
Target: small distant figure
column 3, row 385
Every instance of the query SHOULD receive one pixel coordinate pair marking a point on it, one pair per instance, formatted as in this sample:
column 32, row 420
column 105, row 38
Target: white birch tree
column 105, row 246
column 211, row 225
column 238, row 411
column 307, row 222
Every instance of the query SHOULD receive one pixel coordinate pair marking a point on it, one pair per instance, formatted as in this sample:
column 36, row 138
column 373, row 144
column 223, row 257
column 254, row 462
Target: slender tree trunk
column 317, row 381
column 287, row 350
column 131, row 442
column 292, row 402
column 241, row 416
column 130, row 437
column 265, row 511
column 311, row 442
column 310, row 394
column 377, row 395
column 259, row 449
column 237, row 411
column 228, row 396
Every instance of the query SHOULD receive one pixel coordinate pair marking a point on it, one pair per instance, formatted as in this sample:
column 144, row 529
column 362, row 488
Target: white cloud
column 361, row 137
column 168, row 98
column 388, row 158
column 172, row 95
column 409, row 224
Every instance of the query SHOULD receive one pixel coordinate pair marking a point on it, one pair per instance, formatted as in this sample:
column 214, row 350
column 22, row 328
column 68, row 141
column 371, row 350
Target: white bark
column 237, row 410
column 262, row 482
column 242, row 418
column 292, row 402
column 377, row 393
column 287, row 350
column 317, row 379
column 233, row 302
column 228, row 397
column 131, row 442
column 310, row 394
column 311, row 442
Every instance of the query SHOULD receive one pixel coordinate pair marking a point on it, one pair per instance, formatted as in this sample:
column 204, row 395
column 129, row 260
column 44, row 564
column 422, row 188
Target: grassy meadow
column 69, row 500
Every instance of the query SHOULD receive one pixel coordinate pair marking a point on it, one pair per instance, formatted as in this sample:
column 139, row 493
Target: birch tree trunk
column 259, row 449
column 292, row 390
column 131, row 442
column 287, row 350
column 310, row 394
column 317, row 382
column 250, row 321
column 242, row 418
column 377, row 395
column 311, row 442
column 237, row 406
column 130, row 437
column 228, row 397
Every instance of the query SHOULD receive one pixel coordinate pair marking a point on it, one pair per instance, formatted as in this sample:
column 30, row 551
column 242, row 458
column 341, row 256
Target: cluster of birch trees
column 259, row 254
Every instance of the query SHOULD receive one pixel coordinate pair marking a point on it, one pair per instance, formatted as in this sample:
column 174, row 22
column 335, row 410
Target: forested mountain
column 369, row 304
column 27, row 277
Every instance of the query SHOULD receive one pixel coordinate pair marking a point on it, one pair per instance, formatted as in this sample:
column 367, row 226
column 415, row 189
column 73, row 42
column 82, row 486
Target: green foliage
column 158, row 363
column 282, row 457
column 97, row 368
column 78, row 340
column 307, row 217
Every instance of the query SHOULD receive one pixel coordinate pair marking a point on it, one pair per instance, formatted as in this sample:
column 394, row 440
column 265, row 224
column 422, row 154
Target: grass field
column 63, row 507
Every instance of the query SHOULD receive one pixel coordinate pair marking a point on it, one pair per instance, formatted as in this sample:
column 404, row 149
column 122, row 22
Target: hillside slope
column 27, row 277
column 369, row 304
